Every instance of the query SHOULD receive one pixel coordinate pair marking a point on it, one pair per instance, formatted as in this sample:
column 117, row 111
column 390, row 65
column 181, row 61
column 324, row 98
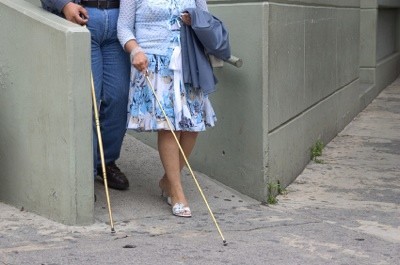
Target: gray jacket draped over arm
column 207, row 34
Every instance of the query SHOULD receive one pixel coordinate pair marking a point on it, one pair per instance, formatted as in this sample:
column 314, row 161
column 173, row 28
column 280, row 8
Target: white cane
column 100, row 141
column 186, row 160
column 103, row 164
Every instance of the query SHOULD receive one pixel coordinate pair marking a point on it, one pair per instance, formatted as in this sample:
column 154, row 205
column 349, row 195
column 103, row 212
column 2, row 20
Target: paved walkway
column 343, row 211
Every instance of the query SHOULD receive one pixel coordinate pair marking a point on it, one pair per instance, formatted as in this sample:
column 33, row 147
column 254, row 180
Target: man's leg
column 96, row 28
column 113, row 111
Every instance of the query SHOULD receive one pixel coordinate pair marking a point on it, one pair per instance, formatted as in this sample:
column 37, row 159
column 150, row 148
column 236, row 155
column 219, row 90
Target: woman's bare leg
column 169, row 154
column 187, row 141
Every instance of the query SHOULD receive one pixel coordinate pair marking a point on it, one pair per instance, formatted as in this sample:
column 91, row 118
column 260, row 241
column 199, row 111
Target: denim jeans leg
column 110, row 68
column 116, row 71
column 96, row 26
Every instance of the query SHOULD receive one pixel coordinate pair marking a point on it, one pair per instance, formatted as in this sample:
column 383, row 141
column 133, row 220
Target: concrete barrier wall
column 45, row 114
column 313, row 84
column 387, row 45
column 379, row 47
column 34, row 2
column 300, row 83
column 234, row 151
column 386, row 33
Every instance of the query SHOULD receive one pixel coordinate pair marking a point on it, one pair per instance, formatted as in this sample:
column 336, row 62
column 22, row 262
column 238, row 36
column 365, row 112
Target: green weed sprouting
column 316, row 151
column 274, row 189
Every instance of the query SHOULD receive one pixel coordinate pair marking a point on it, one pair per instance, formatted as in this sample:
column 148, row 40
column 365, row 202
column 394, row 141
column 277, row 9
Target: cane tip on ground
column 225, row 243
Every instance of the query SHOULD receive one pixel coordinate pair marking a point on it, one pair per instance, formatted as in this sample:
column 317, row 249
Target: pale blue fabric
column 195, row 114
column 149, row 22
column 157, row 31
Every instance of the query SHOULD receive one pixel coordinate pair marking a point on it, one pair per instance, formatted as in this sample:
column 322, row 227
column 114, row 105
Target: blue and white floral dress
column 187, row 108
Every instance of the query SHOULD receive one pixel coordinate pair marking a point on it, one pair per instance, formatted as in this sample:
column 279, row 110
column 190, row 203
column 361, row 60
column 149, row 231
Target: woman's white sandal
column 181, row 210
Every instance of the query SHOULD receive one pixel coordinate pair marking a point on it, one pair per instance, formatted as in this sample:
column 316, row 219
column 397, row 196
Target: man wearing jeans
column 110, row 68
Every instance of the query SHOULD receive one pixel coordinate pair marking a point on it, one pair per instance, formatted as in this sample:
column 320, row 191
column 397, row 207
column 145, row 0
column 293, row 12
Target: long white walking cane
column 103, row 164
column 186, row 160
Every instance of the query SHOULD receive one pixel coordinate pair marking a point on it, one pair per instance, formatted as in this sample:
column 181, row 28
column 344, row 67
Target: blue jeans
column 111, row 70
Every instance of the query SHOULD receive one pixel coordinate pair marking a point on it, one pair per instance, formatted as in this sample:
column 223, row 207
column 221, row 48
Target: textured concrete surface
column 345, row 210
column 45, row 114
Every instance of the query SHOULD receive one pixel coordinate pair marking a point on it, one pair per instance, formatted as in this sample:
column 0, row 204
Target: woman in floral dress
column 149, row 31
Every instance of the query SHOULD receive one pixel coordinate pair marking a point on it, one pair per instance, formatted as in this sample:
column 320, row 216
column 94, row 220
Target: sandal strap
column 179, row 209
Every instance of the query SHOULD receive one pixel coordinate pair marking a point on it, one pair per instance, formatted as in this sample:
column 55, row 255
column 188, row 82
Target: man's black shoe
column 115, row 178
